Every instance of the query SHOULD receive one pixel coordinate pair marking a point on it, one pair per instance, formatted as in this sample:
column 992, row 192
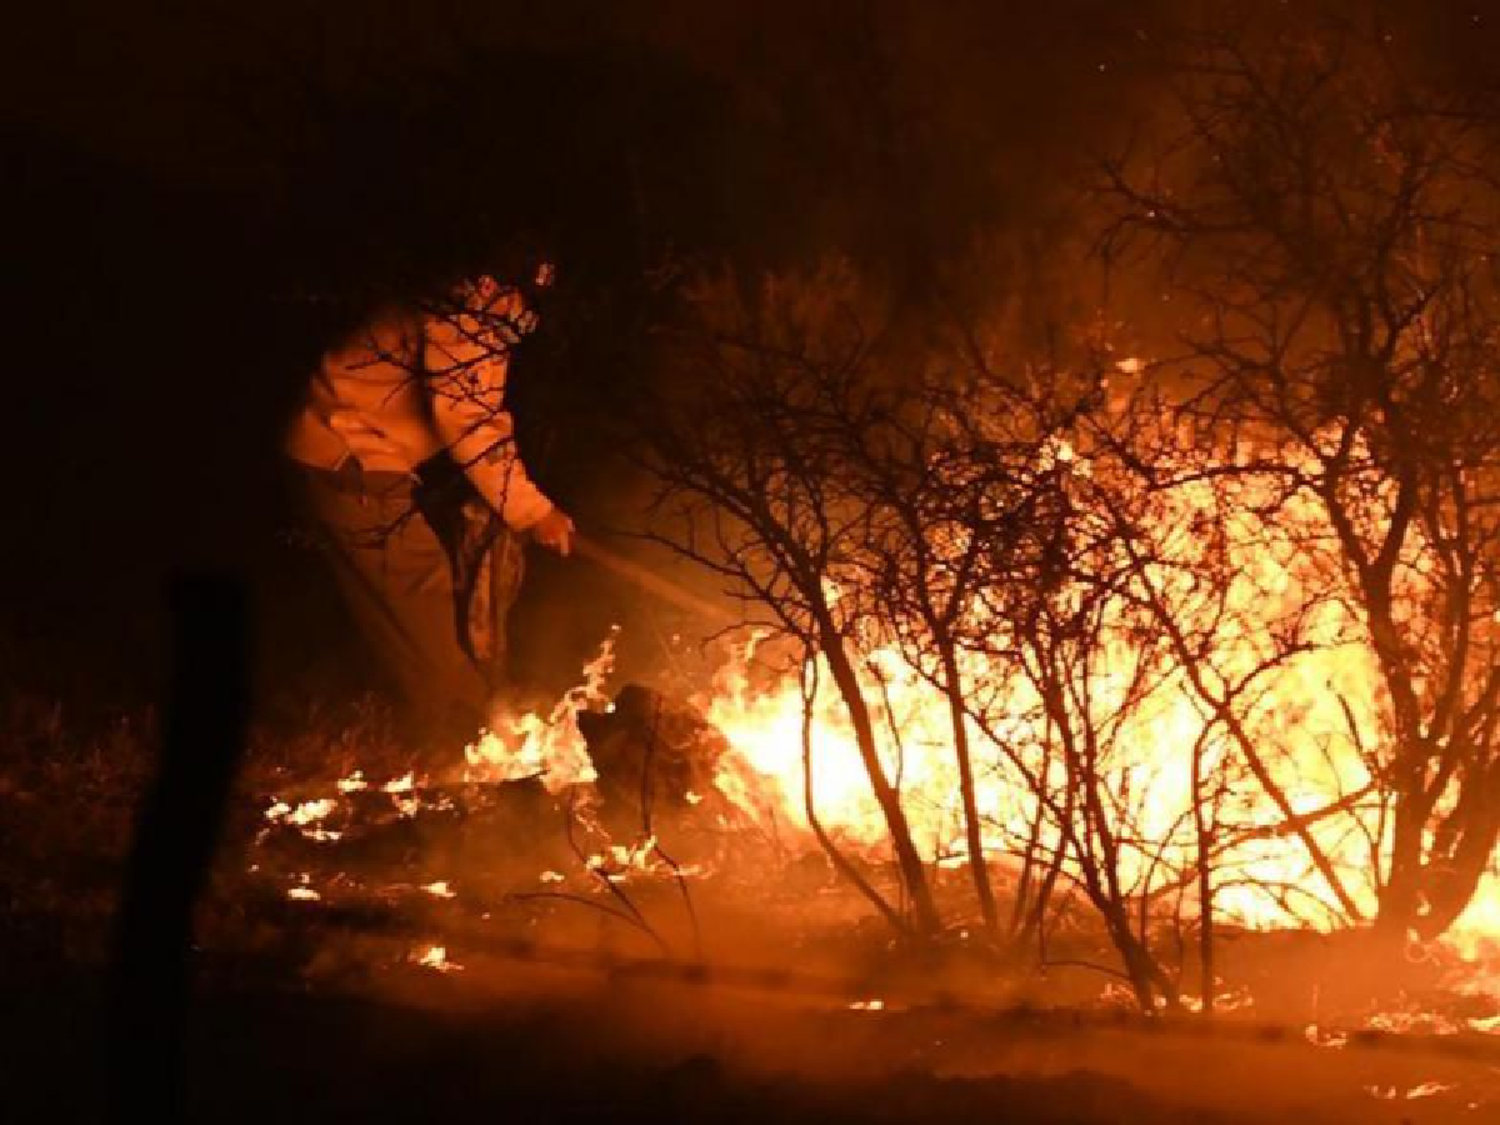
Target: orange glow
column 1313, row 719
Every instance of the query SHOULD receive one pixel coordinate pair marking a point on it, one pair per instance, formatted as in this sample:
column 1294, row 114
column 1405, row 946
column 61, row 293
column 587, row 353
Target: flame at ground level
column 1265, row 877
column 1163, row 756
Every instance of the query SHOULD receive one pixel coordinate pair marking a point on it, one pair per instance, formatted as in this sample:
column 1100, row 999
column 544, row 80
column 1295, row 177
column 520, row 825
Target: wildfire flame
column 549, row 747
column 1315, row 712
column 1317, row 716
column 1312, row 715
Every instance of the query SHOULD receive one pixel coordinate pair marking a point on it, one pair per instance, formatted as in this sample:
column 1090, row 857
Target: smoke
column 214, row 188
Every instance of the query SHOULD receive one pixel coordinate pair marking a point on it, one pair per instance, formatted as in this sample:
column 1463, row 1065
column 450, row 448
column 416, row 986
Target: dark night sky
column 194, row 185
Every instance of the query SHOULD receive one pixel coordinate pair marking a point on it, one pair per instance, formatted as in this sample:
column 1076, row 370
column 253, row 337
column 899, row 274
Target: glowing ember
column 403, row 784
column 1422, row 1090
column 303, row 892
column 1319, row 1037
column 406, row 805
column 310, row 811
column 435, row 957
column 1230, row 1000
column 307, row 818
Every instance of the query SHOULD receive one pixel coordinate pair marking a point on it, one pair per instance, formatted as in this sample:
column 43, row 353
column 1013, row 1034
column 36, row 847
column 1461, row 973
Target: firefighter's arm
column 466, row 366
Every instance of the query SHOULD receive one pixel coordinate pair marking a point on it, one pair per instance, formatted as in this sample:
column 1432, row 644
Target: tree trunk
column 908, row 861
column 973, row 830
column 1401, row 896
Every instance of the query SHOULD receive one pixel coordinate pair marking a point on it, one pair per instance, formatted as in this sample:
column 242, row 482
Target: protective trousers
column 430, row 576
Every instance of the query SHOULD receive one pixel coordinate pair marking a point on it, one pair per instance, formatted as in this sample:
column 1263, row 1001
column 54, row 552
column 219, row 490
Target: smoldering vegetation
column 822, row 244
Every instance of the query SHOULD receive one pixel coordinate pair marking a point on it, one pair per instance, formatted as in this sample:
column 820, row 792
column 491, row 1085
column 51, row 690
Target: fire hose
column 649, row 581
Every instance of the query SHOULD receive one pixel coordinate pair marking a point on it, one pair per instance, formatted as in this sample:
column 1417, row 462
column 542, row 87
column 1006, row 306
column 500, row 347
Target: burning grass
column 431, row 895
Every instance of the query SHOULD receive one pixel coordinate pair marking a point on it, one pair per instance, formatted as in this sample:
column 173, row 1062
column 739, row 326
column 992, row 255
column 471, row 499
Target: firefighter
column 407, row 462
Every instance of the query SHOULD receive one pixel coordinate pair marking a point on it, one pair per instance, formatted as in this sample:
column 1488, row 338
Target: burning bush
column 1193, row 639
column 1326, row 223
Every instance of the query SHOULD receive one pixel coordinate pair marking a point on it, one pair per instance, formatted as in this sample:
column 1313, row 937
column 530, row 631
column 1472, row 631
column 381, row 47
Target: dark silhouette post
column 203, row 736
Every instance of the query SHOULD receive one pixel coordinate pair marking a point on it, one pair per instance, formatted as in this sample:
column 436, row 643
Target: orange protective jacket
column 410, row 384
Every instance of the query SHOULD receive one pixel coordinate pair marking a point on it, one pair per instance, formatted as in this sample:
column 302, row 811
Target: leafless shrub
column 1326, row 225
column 942, row 513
